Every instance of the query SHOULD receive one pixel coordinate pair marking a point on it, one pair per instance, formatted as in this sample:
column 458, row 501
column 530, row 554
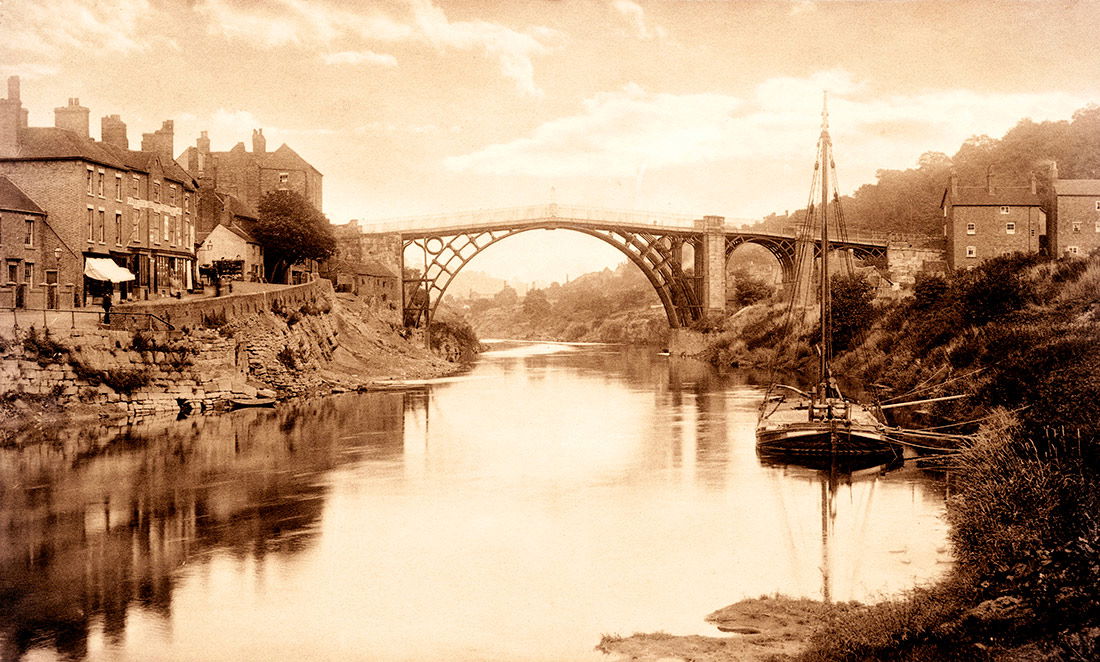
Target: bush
column 43, row 348
column 853, row 309
column 214, row 320
column 287, row 358
column 996, row 288
column 748, row 290
column 125, row 380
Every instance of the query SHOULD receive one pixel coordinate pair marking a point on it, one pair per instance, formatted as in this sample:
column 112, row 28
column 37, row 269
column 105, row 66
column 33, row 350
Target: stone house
column 224, row 232
column 981, row 222
column 102, row 199
column 230, row 243
column 249, row 175
column 1075, row 226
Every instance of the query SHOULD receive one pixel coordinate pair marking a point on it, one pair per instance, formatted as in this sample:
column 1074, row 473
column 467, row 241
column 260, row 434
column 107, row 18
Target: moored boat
column 821, row 423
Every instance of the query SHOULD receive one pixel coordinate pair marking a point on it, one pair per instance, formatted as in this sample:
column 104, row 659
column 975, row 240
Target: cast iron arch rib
column 655, row 254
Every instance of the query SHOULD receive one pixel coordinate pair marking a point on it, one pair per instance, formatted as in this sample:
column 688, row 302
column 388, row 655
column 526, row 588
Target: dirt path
column 761, row 630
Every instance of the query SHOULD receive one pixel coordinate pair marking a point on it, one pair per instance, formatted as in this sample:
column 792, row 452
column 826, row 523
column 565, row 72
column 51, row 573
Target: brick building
column 101, row 199
column 981, row 222
column 30, row 251
column 1075, row 223
column 249, row 175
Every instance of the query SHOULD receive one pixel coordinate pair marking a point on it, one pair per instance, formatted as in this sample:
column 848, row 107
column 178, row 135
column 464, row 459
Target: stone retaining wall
column 202, row 370
column 200, row 313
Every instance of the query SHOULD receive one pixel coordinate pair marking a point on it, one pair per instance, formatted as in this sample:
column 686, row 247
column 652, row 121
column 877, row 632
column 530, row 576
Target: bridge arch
column 658, row 254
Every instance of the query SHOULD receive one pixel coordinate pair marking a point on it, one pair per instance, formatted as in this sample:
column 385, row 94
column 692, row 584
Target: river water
column 552, row 494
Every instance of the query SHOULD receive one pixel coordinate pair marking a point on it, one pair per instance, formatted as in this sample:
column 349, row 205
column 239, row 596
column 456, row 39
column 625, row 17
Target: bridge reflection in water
column 551, row 495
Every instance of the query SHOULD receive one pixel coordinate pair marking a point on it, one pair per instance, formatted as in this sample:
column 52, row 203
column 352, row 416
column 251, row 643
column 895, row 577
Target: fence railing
column 56, row 316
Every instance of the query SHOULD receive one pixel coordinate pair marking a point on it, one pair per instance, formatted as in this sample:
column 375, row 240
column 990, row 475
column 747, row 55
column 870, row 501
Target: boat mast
column 826, row 304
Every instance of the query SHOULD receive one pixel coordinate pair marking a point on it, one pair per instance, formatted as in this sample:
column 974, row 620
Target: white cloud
column 634, row 13
column 360, row 57
column 298, row 23
column 111, row 26
column 631, row 131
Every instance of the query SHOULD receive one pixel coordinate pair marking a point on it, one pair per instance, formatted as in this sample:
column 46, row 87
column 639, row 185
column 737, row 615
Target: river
column 552, row 494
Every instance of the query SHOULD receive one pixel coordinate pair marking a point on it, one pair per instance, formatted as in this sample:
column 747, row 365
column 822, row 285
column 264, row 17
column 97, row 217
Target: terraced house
column 115, row 214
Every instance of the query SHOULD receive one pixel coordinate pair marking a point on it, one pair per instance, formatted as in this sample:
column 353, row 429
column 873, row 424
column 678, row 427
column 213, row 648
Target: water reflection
column 555, row 494
column 99, row 519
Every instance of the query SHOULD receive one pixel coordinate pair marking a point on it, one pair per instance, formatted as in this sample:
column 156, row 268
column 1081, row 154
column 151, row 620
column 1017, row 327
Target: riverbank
column 1017, row 335
column 331, row 343
column 761, row 629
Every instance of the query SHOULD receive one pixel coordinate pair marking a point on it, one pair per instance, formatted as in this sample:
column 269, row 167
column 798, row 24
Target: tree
column 853, row 309
column 291, row 231
column 535, row 304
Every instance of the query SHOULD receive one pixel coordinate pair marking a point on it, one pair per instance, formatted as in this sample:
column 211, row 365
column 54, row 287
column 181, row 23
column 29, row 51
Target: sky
column 676, row 106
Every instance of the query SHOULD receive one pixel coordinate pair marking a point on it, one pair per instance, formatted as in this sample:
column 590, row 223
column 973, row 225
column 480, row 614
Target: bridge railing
column 468, row 220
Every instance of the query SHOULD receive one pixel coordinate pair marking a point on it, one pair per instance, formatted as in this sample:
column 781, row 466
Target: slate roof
column 51, row 143
column 979, row 196
column 42, row 143
column 1089, row 187
column 283, row 158
column 12, row 198
column 374, row 268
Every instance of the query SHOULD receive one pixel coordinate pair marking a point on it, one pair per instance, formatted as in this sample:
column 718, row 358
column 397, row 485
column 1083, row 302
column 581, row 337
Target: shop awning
column 103, row 268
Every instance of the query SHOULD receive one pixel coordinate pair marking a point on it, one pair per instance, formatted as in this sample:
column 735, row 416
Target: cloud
column 636, row 16
column 631, row 131
column 28, row 70
column 360, row 57
column 314, row 24
column 101, row 26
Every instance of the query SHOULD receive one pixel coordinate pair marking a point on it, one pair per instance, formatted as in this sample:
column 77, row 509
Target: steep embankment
column 1020, row 337
column 321, row 344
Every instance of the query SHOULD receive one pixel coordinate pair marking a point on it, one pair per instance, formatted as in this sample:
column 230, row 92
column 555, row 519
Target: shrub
column 43, row 348
column 125, row 380
column 853, row 309
column 748, row 290
column 287, row 358
column 996, row 288
column 214, row 320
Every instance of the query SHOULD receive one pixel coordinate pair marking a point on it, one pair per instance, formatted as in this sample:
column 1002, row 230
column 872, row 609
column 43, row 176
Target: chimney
column 203, row 143
column 259, row 143
column 1053, row 172
column 1034, row 184
column 112, row 130
column 954, row 184
column 12, row 118
column 160, row 142
column 989, row 179
column 73, row 117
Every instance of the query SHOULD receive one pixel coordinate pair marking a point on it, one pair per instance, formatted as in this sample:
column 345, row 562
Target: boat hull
column 823, row 439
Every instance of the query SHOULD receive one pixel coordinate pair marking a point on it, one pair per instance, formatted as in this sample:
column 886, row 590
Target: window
column 91, row 224
column 1098, row 205
column 1096, row 226
column 118, row 228
column 172, row 194
column 971, row 228
column 172, row 233
column 156, row 191
column 28, row 233
column 101, row 179
column 51, row 276
column 284, row 179
column 1076, row 227
column 187, row 202
column 164, row 234
column 154, row 234
column 1072, row 250
column 1010, row 228
column 102, row 226
column 118, row 187
column 91, row 182
column 134, row 187
column 13, row 272
column 28, row 273
column 971, row 251
column 1004, row 209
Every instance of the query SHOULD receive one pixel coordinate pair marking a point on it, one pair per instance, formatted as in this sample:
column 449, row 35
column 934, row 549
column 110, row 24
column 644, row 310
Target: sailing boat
column 822, row 423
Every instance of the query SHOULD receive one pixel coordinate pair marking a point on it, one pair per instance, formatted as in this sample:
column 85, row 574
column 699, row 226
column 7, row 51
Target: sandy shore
column 761, row 630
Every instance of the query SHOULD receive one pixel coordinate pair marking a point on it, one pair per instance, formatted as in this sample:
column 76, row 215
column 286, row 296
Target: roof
column 41, row 143
column 1089, row 187
column 12, row 198
column 283, row 158
column 979, row 196
column 235, row 205
column 200, row 237
column 373, row 268
column 52, row 143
